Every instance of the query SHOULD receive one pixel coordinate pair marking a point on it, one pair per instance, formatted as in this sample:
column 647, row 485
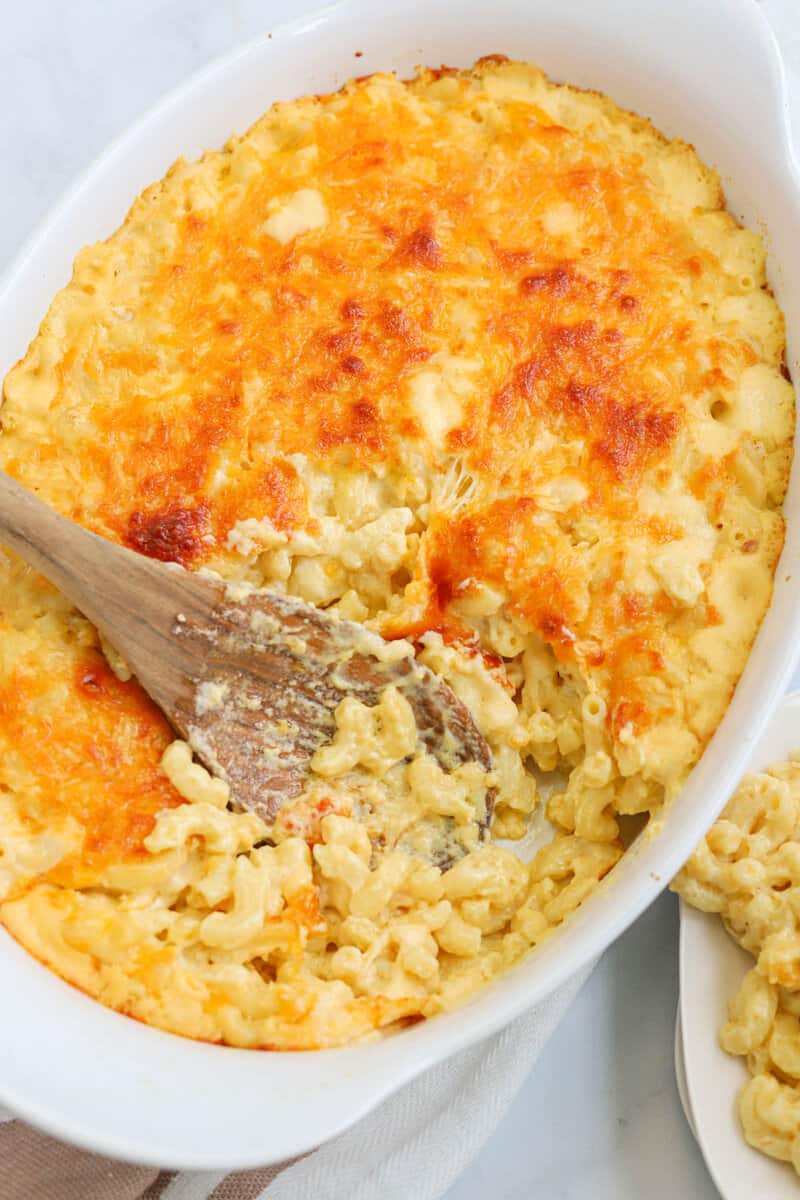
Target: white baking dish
column 705, row 69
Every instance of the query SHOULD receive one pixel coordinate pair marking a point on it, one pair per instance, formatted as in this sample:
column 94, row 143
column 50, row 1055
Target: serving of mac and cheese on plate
column 480, row 362
column 747, row 869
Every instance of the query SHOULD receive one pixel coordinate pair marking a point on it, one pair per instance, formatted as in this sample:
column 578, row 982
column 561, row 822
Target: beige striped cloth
column 38, row 1167
column 414, row 1144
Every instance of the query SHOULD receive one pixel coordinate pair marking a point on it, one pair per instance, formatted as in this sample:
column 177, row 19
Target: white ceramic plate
column 680, row 1072
column 711, row 968
column 705, row 69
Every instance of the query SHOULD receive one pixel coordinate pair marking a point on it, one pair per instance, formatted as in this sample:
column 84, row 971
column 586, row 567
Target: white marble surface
column 599, row 1116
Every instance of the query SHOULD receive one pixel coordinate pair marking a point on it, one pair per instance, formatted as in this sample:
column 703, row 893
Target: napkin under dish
column 415, row 1144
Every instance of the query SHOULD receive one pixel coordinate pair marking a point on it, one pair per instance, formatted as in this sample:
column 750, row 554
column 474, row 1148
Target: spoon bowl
column 252, row 679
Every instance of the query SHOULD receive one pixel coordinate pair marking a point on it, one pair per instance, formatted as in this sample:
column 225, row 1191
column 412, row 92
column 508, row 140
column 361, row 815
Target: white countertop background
column 599, row 1118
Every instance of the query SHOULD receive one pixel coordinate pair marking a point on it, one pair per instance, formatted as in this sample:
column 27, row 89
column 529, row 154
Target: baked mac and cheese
column 479, row 361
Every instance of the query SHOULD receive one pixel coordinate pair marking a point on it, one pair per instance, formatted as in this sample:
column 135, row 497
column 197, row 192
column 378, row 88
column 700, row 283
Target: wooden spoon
column 252, row 682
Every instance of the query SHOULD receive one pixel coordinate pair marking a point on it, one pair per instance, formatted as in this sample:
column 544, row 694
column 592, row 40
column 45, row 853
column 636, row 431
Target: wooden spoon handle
column 85, row 567
column 132, row 600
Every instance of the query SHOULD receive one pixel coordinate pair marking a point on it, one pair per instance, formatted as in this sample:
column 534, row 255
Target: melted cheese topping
column 476, row 359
